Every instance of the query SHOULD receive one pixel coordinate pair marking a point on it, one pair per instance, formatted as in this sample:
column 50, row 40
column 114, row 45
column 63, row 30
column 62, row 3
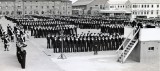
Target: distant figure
column 140, row 25
column 133, row 24
column 6, row 43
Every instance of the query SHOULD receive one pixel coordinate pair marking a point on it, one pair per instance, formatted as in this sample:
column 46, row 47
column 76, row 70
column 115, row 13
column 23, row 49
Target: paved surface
column 38, row 60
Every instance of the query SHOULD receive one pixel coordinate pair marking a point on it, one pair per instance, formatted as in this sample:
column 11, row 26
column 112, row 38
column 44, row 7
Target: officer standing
column 48, row 41
column 6, row 43
column 23, row 57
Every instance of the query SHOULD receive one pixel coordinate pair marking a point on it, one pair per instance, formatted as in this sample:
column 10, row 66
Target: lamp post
column 62, row 56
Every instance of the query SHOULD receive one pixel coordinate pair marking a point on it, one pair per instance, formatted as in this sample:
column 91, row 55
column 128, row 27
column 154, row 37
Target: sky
column 73, row 1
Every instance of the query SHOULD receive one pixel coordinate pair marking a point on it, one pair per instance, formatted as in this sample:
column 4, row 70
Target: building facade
column 143, row 8
column 116, row 5
column 115, row 8
column 137, row 8
column 88, row 6
column 35, row 7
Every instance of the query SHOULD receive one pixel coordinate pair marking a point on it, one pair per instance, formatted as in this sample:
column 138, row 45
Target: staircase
column 128, row 48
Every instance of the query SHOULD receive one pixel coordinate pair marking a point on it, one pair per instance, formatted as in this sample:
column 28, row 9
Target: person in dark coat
column 23, row 58
column 48, row 41
column 6, row 43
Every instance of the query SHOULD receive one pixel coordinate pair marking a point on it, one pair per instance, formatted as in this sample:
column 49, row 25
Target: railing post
column 128, row 44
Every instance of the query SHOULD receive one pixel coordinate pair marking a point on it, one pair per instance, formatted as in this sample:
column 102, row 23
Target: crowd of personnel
column 83, row 43
column 113, row 29
column 7, row 37
column 51, row 29
column 39, row 32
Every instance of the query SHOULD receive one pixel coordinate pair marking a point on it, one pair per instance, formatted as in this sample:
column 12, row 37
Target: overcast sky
column 73, row 1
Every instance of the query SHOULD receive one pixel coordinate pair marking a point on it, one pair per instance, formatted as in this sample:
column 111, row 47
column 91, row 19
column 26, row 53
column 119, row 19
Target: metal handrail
column 129, row 43
column 124, row 41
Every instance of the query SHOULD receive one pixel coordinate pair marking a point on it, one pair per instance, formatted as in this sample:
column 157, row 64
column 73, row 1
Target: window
column 0, row 12
column 142, row 6
column 157, row 6
column 30, row 12
column 157, row 12
column 36, row 6
column 135, row 13
column 142, row 13
column 147, row 6
column 147, row 12
column 52, row 6
column 47, row 6
column 111, row 6
column 6, row 7
column 151, row 48
column 42, row 12
column 42, row 7
column 152, row 12
column 12, row 12
column 101, row 7
column 133, row 6
column 7, row 12
column 152, row 6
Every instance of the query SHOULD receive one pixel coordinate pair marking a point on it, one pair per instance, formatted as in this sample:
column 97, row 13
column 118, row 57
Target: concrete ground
column 38, row 60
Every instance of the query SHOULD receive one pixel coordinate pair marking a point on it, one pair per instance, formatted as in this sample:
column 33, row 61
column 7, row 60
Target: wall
column 135, row 54
column 148, row 56
column 149, row 34
column 127, row 31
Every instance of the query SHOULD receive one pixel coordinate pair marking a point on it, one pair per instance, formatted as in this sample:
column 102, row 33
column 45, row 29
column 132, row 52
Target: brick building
column 35, row 7
column 88, row 6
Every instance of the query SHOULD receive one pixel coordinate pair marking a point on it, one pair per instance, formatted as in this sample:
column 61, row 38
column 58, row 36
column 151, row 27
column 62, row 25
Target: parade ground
column 39, row 58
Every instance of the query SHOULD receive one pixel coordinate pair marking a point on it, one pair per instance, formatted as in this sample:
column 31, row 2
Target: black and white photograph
column 79, row 35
